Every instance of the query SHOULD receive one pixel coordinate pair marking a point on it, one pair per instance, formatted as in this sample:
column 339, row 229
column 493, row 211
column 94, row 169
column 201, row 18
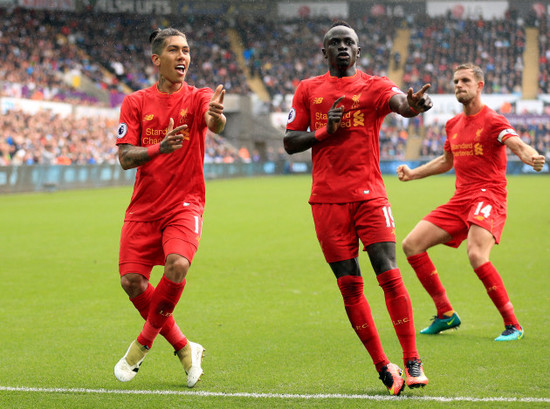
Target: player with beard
column 162, row 132
column 338, row 115
column 476, row 147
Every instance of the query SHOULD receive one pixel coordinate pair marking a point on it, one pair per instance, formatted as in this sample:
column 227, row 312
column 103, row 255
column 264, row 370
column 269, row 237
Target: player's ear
column 358, row 51
column 156, row 59
column 324, row 53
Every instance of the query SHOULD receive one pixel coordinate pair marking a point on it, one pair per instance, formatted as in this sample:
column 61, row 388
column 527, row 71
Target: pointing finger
column 424, row 89
column 170, row 125
column 337, row 101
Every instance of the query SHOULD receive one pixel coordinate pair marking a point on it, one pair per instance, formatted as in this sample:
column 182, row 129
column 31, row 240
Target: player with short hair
column 476, row 146
column 339, row 115
column 162, row 132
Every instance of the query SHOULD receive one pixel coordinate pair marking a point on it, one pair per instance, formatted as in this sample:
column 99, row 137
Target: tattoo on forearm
column 133, row 156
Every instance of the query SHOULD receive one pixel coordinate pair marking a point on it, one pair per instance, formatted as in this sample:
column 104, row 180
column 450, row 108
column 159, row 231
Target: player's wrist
column 321, row 134
column 153, row 150
column 414, row 111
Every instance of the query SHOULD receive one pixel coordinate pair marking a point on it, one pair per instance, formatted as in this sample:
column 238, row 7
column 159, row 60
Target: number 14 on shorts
column 484, row 210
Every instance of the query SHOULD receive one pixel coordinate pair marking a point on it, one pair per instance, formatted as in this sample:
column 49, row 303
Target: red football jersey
column 166, row 183
column 345, row 165
column 479, row 154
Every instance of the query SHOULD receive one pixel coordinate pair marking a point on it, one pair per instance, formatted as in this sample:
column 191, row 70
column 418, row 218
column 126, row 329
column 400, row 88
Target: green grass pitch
column 262, row 301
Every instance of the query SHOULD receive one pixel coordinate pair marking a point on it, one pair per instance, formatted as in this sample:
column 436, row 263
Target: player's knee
column 412, row 246
column 176, row 267
column 407, row 246
column 134, row 284
column 346, row 268
column 477, row 257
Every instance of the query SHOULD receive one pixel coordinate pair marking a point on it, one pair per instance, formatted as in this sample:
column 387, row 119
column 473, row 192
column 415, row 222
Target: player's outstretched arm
column 413, row 103
column 131, row 156
column 441, row 164
column 299, row 141
column 214, row 117
column 526, row 153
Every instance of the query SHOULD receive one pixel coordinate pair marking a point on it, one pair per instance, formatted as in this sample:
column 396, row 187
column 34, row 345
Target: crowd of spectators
column 536, row 134
column 45, row 138
column 41, row 47
column 544, row 54
column 36, row 54
column 438, row 45
column 282, row 53
column 124, row 48
column 112, row 51
column 49, row 139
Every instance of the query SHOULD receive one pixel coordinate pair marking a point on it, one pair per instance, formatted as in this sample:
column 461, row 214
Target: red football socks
column 427, row 274
column 360, row 317
column 494, row 285
column 399, row 306
column 170, row 329
column 163, row 301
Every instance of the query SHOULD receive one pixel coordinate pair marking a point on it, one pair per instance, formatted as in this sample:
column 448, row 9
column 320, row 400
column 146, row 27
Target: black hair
column 159, row 36
column 340, row 23
column 337, row 23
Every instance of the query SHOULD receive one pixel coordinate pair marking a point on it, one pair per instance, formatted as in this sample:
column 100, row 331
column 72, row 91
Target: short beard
column 464, row 99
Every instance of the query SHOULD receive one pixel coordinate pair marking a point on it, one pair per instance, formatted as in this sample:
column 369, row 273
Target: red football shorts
column 146, row 244
column 340, row 226
column 458, row 214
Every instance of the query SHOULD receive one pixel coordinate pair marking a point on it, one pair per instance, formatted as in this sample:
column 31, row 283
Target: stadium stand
column 437, row 45
column 95, row 60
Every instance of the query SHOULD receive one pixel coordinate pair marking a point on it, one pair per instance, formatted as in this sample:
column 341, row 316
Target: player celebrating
column 339, row 115
column 476, row 146
column 162, row 133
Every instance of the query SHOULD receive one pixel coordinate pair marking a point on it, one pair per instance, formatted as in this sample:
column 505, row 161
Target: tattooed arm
column 131, row 156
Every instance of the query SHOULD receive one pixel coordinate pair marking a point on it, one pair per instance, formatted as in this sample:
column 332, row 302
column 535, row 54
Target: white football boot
column 191, row 358
column 129, row 364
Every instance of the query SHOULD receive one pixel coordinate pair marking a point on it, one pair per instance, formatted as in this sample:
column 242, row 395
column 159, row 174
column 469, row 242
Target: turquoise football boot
column 442, row 324
column 511, row 333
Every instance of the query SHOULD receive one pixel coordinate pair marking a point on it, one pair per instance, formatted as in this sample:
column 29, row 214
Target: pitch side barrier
column 41, row 178
column 49, row 178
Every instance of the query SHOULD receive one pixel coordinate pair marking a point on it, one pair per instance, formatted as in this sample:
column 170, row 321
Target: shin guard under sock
column 164, row 300
column 494, row 285
column 429, row 278
column 360, row 317
column 170, row 329
column 399, row 307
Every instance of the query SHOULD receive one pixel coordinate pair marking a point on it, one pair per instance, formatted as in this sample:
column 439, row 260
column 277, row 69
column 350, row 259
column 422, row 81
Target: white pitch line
column 272, row 395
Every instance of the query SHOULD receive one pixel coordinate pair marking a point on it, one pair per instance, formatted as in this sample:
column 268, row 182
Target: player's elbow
column 291, row 143
column 291, row 147
column 124, row 163
column 288, row 146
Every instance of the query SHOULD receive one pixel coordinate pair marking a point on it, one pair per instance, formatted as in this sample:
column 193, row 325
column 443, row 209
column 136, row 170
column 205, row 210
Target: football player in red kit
column 476, row 147
column 338, row 115
column 162, row 132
